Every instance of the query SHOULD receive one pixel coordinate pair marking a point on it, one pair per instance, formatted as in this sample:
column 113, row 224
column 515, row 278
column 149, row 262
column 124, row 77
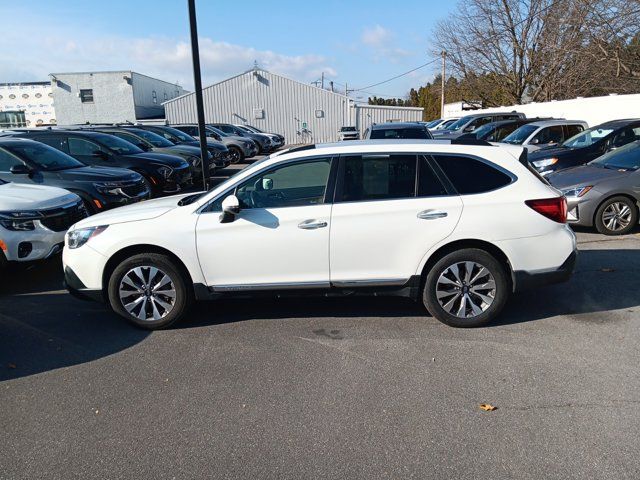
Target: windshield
column 254, row 129
column 217, row 131
column 348, row 129
column 484, row 130
column 519, row 135
column 118, row 145
column 195, row 197
column 433, row 123
column 446, row 124
column 587, row 138
column 171, row 133
column 153, row 138
column 458, row 124
column 623, row 158
column 46, row 158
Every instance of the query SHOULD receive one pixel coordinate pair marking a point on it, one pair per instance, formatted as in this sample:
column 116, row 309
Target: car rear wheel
column 466, row 288
column 150, row 291
column 616, row 216
column 235, row 155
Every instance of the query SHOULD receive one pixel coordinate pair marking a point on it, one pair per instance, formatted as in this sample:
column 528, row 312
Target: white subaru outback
column 457, row 226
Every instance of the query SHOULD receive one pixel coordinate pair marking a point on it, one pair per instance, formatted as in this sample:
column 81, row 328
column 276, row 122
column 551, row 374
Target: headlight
column 576, row 191
column 109, row 188
column 195, row 161
column 545, row 163
column 19, row 221
column 165, row 171
column 77, row 238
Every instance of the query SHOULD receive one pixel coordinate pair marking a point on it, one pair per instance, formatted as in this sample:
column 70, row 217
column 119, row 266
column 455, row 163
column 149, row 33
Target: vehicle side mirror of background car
column 20, row 169
column 230, row 208
column 267, row 184
column 144, row 147
column 99, row 154
column 535, row 141
column 469, row 128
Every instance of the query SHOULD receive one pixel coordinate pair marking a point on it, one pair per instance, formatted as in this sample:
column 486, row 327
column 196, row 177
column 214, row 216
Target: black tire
column 165, row 265
column 434, row 285
column 607, row 208
column 236, row 156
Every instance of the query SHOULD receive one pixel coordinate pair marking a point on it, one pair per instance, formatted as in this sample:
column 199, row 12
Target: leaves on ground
column 487, row 407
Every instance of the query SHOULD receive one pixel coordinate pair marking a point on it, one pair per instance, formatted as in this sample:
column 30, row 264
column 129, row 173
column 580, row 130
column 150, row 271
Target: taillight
column 553, row 208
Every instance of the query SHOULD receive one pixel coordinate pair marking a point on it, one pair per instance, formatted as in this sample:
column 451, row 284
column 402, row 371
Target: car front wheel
column 616, row 216
column 150, row 291
column 466, row 288
column 235, row 155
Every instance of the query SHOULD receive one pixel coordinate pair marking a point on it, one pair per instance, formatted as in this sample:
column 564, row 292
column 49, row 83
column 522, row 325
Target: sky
column 356, row 43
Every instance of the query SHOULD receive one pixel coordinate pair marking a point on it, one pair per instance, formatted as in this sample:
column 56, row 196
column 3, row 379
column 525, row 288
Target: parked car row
column 51, row 178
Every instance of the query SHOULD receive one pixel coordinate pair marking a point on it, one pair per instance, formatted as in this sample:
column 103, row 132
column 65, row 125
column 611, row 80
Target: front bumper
column 78, row 289
column 524, row 280
column 177, row 181
column 27, row 246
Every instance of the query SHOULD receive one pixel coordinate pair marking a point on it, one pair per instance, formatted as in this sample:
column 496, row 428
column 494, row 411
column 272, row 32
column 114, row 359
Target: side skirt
column 410, row 288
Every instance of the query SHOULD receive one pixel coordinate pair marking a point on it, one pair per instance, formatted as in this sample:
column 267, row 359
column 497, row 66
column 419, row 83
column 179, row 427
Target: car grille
column 60, row 219
column 135, row 189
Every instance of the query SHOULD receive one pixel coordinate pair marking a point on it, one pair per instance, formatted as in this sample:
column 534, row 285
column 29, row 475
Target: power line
column 397, row 76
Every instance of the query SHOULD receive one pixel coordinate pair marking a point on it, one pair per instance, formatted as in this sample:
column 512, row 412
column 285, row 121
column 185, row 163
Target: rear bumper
column 524, row 280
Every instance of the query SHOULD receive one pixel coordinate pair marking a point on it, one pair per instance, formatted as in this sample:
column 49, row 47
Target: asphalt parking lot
column 327, row 388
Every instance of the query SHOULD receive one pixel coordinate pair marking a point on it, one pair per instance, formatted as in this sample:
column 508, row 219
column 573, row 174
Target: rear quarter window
column 469, row 175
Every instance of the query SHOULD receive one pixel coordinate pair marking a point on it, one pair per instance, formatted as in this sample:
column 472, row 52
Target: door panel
column 280, row 238
column 390, row 210
column 265, row 247
column 385, row 240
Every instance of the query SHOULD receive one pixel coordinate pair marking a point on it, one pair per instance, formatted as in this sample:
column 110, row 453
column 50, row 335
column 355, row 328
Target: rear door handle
column 312, row 224
column 431, row 214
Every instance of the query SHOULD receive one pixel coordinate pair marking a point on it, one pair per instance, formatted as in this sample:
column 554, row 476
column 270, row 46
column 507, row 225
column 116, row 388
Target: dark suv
column 396, row 130
column 586, row 146
column 162, row 173
column 101, row 188
column 220, row 153
column 265, row 145
column 152, row 142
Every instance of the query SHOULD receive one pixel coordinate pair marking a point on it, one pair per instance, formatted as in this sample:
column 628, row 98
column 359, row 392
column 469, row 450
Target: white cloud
column 162, row 57
column 381, row 41
column 375, row 36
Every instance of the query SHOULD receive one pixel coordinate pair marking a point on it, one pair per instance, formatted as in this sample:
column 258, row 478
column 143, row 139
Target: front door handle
column 431, row 214
column 312, row 224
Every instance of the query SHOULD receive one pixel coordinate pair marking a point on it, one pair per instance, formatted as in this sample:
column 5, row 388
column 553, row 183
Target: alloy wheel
column 235, row 155
column 616, row 216
column 147, row 293
column 465, row 289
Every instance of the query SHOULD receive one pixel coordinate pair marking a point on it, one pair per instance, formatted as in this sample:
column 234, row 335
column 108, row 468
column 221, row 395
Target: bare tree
column 512, row 51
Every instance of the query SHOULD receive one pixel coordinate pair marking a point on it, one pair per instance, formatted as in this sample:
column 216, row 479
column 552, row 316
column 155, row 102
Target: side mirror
column 230, row 208
column 534, row 141
column 267, row 184
column 20, row 169
column 469, row 128
column 144, row 147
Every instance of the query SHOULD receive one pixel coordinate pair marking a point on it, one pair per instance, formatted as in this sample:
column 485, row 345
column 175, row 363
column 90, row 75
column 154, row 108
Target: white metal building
column 302, row 113
column 35, row 99
column 106, row 97
column 593, row 110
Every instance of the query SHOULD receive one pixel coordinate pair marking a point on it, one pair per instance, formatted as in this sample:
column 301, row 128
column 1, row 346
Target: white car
column 456, row 226
column 544, row 133
column 34, row 219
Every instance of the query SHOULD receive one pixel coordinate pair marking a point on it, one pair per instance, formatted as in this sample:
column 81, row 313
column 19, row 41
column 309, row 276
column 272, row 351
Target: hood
column 184, row 149
column 97, row 174
column 20, row 196
column 237, row 138
column 547, row 152
column 439, row 133
column 211, row 145
column 130, row 213
column 582, row 175
column 172, row 161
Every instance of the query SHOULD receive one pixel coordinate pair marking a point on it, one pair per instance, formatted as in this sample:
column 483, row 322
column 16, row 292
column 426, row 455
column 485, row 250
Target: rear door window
column 469, row 175
column 573, row 130
column 378, row 177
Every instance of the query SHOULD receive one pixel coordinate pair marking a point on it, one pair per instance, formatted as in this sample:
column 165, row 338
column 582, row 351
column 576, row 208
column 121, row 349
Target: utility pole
column 444, row 56
column 197, row 82
column 346, row 89
column 322, row 80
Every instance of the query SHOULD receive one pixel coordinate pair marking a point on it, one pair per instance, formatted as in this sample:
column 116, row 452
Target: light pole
column 197, row 81
column 444, row 56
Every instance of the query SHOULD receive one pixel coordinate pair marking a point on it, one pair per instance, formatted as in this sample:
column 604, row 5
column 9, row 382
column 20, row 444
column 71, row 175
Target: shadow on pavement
column 43, row 328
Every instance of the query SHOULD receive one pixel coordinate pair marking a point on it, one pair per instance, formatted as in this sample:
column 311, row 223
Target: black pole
column 197, row 81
